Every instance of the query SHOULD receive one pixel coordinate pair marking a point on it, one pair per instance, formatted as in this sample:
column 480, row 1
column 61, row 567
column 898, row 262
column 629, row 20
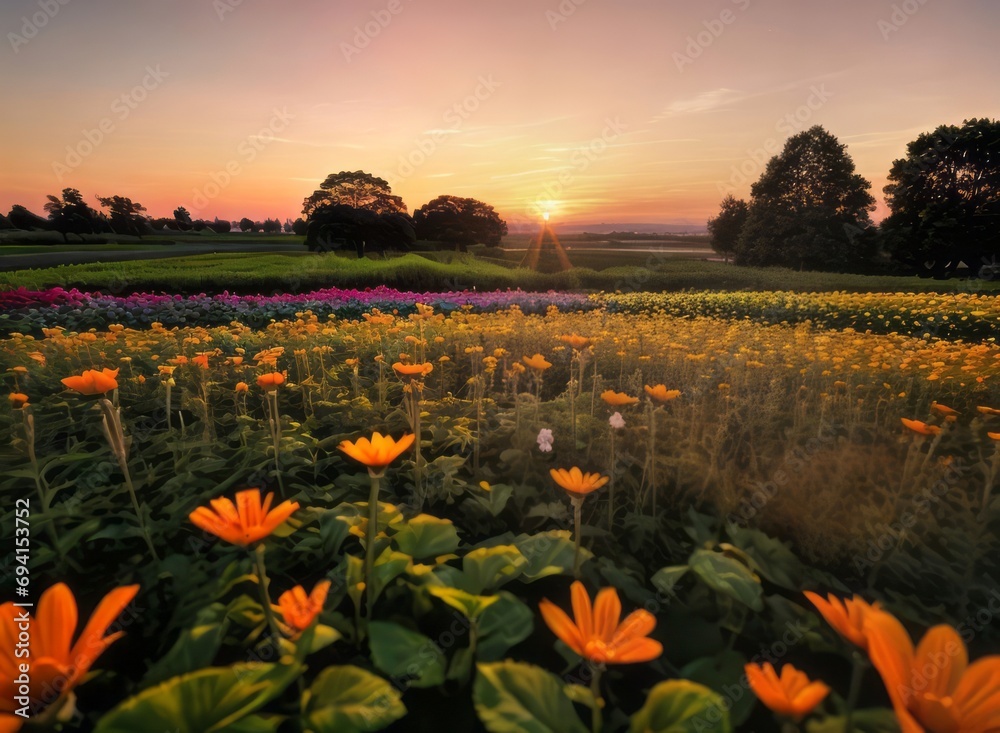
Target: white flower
column 616, row 420
column 545, row 440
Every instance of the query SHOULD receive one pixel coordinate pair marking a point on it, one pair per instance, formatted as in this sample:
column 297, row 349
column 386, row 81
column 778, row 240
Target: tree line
column 811, row 210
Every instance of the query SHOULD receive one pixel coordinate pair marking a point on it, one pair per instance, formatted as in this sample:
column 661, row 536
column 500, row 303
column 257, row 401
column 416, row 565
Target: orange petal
column 582, row 610
column 561, row 625
column 940, row 661
column 56, row 621
column 607, row 613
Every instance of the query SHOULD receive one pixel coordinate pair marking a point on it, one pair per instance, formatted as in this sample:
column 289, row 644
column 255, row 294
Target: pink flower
column 545, row 440
column 617, row 421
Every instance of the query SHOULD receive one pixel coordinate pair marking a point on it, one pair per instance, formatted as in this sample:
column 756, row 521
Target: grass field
column 299, row 271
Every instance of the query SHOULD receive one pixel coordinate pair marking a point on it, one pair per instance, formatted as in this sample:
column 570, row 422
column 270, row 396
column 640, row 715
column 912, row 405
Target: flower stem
column 577, row 517
column 370, row 542
column 611, row 486
column 262, row 584
column 596, row 719
column 857, row 674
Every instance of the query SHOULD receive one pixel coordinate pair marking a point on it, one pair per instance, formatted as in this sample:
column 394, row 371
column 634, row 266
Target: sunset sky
column 634, row 111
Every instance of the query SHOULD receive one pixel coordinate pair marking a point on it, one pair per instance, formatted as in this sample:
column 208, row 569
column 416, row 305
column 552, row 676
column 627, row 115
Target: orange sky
column 637, row 111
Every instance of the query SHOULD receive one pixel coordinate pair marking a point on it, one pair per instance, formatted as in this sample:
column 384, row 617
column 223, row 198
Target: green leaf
column 213, row 699
column 512, row 697
column 875, row 720
column 681, row 706
column 348, row 699
column 487, row 568
column 388, row 566
column 773, row 558
column 666, row 578
column 402, row 653
column 194, row 649
column 470, row 606
column 547, row 553
column 729, row 577
column 427, row 536
column 505, row 623
column 724, row 674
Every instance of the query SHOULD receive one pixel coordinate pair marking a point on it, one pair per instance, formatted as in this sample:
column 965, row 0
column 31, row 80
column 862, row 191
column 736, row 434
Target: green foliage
column 680, row 706
column 348, row 699
column 512, row 697
column 405, row 654
column 209, row 700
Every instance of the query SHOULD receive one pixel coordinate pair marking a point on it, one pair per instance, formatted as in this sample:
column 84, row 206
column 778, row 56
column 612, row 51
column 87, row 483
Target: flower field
column 509, row 511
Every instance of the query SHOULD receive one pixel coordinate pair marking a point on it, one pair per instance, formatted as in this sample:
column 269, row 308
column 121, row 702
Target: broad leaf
column 348, row 699
column 512, row 697
column 681, row 706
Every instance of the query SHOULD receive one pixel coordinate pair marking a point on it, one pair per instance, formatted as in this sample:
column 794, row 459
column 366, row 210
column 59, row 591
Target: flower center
column 937, row 714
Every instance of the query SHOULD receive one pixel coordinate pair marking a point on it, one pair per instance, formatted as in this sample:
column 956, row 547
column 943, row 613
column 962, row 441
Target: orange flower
column 93, row 382
column 299, row 610
column 943, row 409
column 271, row 381
column 576, row 481
column 17, row 399
column 661, row 394
column 988, row 411
column 920, row 428
column 933, row 687
column 242, row 387
column 245, row 522
column 53, row 664
column 792, row 695
column 618, row 399
column 413, row 371
column 596, row 633
column 537, row 362
column 847, row 616
column 200, row 360
column 235, row 360
column 578, row 343
column 378, row 452
column 993, row 436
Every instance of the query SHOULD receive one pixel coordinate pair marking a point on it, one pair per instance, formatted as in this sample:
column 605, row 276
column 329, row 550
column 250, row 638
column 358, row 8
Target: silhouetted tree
column 810, row 209
column 944, row 198
column 126, row 216
column 21, row 218
column 346, row 227
column 287, row 226
column 5, row 223
column 459, row 222
column 359, row 190
column 220, row 226
column 272, row 226
column 183, row 218
column 299, row 227
column 71, row 215
column 726, row 227
column 247, row 225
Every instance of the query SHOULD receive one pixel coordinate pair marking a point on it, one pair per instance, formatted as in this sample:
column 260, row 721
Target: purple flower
column 545, row 440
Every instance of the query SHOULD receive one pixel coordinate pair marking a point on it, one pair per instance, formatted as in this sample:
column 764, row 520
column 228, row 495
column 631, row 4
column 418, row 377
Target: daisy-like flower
column 576, row 481
column 55, row 664
column 246, row 522
column 792, row 695
column 661, row 394
column 618, row 399
column 846, row 616
column 299, row 610
column 617, row 421
column 93, row 382
column 537, row 362
column 597, row 632
column 17, row 400
column 378, row 452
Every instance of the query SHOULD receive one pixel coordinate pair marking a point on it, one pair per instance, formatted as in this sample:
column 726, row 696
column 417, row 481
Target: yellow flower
column 576, row 481
column 537, row 362
column 618, row 399
column 661, row 394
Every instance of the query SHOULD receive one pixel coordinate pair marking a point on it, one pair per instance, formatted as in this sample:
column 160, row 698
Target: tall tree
column 459, row 222
column 71, row 215
column 345, row 227
column 725, row 228
column 810, row 209
column 359, row 190
column 944, row 198
column 126, row 216
column 247, row 225
column 183, row 218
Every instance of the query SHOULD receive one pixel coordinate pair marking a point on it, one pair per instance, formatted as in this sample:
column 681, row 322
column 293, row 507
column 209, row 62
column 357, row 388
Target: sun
column 545, row 216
